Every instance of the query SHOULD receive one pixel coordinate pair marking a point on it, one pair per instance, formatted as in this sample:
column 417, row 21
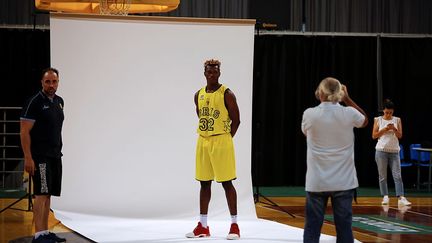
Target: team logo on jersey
column 201, row 97
column 209, row 112
column 44, row 107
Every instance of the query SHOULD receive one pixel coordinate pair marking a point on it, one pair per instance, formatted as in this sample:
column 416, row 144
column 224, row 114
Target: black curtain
column 362, row 16
column 25, row 53
column 274, row 12
column 287, row 69
column 237, row 9
column 287, row 72
column 367, row 16
column 22, row 13
column 406, row 74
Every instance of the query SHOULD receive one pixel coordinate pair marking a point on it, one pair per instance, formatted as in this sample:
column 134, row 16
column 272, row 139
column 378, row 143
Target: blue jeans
column 393, row 160
column 316, row 204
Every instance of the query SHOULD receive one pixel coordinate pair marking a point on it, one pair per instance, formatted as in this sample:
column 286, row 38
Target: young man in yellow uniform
column 219, row 119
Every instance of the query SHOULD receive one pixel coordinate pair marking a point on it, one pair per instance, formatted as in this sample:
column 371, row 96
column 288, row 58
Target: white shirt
column 330, row 146
column 388, row 142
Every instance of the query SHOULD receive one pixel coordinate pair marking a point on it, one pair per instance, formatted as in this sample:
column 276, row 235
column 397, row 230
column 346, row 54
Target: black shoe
column 54, row 237
column 43, row 239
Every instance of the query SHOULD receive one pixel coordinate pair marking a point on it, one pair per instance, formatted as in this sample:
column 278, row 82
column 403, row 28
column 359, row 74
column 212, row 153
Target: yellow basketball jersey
column 213, row 115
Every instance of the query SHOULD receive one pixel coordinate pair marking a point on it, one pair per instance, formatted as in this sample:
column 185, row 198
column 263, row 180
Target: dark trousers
column 316, row 204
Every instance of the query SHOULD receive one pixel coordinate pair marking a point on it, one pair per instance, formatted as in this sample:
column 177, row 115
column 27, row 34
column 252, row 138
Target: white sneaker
column 403, row 201
column 385, row 200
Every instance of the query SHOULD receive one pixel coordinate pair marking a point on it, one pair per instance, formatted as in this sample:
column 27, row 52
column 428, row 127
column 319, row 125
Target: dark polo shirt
column 47, row 115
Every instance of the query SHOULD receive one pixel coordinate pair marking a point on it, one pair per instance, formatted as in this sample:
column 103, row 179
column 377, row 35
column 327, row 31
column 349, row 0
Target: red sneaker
column 234, row 233
column 199, row 231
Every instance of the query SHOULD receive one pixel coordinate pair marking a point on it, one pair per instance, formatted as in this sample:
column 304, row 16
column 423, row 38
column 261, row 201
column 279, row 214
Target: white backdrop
column 130, row 123
column 130, row 128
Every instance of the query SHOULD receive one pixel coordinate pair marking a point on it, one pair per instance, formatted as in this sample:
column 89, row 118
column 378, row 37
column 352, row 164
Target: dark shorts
column 48, row 176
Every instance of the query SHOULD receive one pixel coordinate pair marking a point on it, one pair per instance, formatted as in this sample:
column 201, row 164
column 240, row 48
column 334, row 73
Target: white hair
column 330, row 89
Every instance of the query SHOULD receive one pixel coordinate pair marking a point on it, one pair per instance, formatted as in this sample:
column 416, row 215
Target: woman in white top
column 388, row 130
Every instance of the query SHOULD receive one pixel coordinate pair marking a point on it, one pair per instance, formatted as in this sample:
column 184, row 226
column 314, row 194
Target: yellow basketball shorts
column 215, row 159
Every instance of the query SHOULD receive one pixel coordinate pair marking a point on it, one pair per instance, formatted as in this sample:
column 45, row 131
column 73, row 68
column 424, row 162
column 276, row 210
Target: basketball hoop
column 114, row 7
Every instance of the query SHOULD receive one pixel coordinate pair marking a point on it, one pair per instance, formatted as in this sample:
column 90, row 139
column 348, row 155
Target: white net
column 114, row 7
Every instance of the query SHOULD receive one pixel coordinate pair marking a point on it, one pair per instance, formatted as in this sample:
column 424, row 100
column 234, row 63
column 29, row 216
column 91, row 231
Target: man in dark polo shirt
column 41, row 125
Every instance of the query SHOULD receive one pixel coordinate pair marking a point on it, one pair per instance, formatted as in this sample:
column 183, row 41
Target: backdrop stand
column 28, row 195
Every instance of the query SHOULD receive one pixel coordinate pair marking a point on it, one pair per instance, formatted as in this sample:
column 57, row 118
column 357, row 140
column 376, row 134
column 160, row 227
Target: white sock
column 234, row 219
column 43, row 232
column 203, row 220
